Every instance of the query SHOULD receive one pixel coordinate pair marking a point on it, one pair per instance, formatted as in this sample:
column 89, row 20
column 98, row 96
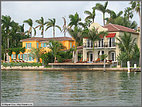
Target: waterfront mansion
column 37, row 42
column 107, row 45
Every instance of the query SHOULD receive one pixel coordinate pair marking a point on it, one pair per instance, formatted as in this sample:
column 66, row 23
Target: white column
column 84, row 55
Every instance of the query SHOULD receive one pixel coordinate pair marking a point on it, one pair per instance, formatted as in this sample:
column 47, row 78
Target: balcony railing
column 97, row 45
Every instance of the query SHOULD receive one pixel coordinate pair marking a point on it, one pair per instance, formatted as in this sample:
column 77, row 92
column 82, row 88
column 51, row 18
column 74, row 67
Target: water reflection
column 72, row 88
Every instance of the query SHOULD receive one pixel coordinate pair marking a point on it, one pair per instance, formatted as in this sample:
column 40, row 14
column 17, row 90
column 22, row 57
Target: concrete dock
column 65, row 69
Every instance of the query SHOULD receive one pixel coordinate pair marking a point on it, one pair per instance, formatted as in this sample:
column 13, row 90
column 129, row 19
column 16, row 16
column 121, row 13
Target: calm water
column 71, row 88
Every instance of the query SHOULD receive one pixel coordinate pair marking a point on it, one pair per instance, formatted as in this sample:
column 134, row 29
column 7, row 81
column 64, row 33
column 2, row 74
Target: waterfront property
column 107, row 44
column 37, row 42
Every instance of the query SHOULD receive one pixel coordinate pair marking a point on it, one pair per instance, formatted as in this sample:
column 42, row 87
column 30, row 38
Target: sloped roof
column 118, row 28
column 47, row 39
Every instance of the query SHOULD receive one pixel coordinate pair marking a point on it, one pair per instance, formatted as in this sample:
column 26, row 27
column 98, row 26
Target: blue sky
column 23, row 10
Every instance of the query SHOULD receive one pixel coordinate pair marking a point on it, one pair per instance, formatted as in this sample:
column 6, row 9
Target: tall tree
column 64, row 27
column 76, row 34
column 55, row 47
column 102, row 8
column 52, row 23
column 113, row 16
column 136, row 6
column 94, row 36
column 30, row 23
column 123, row 21
column 128, row 13
column 90, row 15
column 75, row 20
column 36, row 53
column 6, row 26
column 41, row 25
column 125, row 42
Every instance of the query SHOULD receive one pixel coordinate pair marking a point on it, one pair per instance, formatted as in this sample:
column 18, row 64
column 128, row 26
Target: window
column 28, row 45
column 111, row 42
column 102, row 52
column 13, row 56
column 44, row 45
column 37, row 45
column 113, row 56
column 28, row 57
column 88, row 43
column 21, row 56
column 25, row 57
column 70, row 44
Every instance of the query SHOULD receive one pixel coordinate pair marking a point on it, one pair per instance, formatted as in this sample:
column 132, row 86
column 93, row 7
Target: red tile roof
column 116, row 28
column 47, row 39
column 60, row 38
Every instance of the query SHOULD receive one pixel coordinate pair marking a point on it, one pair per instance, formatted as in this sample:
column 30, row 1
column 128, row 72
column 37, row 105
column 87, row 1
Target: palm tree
column 41, row 25
column 55, row 47
column 125, row 42
column 113, row 16
column 64, row 27
column 136, row 6
column 52, row 23
column 123, row 21
column 102, row 8
column 76, row 34
column 30, row 23
column 128, row 13
column 90, row 15
column 36, row 53
column 75, row 20
column 94, row 36
column 6, row 26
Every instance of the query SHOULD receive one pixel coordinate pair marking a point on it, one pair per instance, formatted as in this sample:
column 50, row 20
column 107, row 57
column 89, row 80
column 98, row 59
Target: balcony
column 97, row 45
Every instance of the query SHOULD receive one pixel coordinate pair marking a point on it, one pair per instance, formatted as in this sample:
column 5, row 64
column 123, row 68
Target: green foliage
column 90, row 15
column 9, row 51
column 62, row 55
column 52, row 23
column 76, row 34
column 129, row 51
column 16, row 50
column 22, row 50
column 102, row 8
column 41, row 25
column 75, row 20
column 21, row 64
column 11, row 33
column 104, row 56
column 47, row 58
column 36, row 53
column 55, row 47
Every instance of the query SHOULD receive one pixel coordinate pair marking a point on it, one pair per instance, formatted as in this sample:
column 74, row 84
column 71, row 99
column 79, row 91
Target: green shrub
column 20, row 64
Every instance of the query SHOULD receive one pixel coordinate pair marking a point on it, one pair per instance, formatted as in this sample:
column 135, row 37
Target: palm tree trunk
column 93, row 20
column 75, row 53
column 4, row 57
column 7, row 43
column 42, row 32
column 104, row 18
column 53, row 31
column 64, row 33
column 55, row 59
